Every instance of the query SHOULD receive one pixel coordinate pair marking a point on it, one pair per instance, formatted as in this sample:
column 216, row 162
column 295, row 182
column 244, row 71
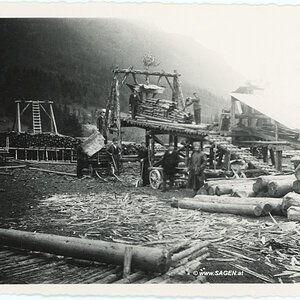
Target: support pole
column 232, row 119
column 53, row 118
column 175, row 138
column 18, row 116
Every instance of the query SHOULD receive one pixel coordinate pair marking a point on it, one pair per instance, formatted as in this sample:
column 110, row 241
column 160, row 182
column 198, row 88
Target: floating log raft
column 145, row 258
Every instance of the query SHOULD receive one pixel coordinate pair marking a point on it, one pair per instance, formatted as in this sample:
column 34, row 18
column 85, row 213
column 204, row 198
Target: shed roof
column 277, row 108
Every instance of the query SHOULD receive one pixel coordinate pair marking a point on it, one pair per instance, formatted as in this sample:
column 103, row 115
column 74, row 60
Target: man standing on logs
column 134, row 102
column 114, row 151
column 169, row 163
column 101, row 125
column 196, row 169
column 196, row 107
column 144, row 163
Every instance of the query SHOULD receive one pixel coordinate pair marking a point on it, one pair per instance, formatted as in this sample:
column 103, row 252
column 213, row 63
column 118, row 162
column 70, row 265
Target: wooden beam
column 232, row 119
column 18, row 116
column 147, row 73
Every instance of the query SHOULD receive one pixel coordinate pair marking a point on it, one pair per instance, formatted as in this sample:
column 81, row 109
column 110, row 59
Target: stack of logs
column 162, row 109
column 276, row 194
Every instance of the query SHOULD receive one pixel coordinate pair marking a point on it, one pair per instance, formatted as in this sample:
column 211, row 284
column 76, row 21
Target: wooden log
column 203, row 191
column 296, row 186
column 51, row 171
column 290, row 199
column 13, row 167
column 275, row 203
column 229, row 208
column 144, row 258
column 243, row 191
column 261, row 183
column 297, row 172
column 293, row 213
column 280, row 188
column 227, row 189
column 189, row 251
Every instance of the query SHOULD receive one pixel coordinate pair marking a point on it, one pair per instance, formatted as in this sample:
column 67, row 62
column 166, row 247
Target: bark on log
column 229, row 208
column 290, row 199
column 225, row 189
column 293, row 213
column 144, row 258
column 296, row 186
column 261, row 183
column 297, row 172
column 243, row 192
column 273, row 202
column 280, row 188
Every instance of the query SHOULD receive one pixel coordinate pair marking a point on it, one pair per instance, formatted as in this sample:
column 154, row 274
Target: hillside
column 70, row 61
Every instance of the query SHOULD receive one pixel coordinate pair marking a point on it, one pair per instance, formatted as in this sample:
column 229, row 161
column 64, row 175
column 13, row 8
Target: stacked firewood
column 161, row 109
column 26, row 140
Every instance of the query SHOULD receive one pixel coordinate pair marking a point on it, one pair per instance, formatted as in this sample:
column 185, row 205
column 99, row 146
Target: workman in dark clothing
column 169, row 164
column 115, row 152
column 82, row 160
column 134, row 103
column 196, row 107
column 101, row 125
column 143, row 155
column 196, row 169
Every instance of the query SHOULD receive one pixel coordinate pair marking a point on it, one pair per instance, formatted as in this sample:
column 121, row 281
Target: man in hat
column 169, row 163
column 101, row 125
column 196, row 107
column 196, row 169
column 134, row 102
column 143, row 155
column 115, row 151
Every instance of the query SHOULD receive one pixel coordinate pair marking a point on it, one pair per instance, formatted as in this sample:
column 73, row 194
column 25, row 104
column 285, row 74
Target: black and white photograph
column 149, row 144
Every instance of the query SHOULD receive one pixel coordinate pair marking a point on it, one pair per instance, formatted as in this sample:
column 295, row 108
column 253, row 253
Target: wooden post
column 265, row 154
column 127, row 261
column 175, row 139
column 279, row 160
column 276, row 131
column 187, row 153
column 18, row 116
column 152, row 157
column 171, row 139
column 227, row 160
column 53, row 118
column 232, row 119
column 118, row 112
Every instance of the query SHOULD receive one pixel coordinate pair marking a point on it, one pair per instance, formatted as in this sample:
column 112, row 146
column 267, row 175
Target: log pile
column 164, row 110
column 274, row 186
column 26, row 140
column 254, row 207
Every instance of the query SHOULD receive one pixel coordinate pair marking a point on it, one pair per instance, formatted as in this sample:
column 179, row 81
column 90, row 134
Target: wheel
column 155, row 178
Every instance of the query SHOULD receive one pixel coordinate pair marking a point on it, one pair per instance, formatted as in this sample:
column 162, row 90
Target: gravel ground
column 114, row 211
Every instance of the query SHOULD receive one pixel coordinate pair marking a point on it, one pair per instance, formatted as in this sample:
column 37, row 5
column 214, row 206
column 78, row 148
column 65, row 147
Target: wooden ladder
column 36, row 117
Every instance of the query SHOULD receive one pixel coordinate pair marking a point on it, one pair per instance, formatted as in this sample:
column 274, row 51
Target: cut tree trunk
column 229, row 208
column 290, row 199
column 273, row 202
column 145, row 258
column 293, row 213
column 225, row 189
column 280, row 188
column 296, row 186
column 243, row 192
column 261, row 183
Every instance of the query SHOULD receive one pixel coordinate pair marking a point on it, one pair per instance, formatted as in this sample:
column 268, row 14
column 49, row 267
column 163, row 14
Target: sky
column 262, row 43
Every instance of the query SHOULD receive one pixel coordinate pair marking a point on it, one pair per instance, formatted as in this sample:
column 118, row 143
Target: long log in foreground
column 144, row 258
column 229, row 208
column 274, row 203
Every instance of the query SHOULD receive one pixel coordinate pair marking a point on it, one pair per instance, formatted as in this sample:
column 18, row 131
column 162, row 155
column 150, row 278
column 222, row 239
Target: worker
column 101, row 125
column 196, row 169
column 134, row 102
column 115, row 152
column 196, row 107
column 82, row 160
column 143, row 155
column 169, row 164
